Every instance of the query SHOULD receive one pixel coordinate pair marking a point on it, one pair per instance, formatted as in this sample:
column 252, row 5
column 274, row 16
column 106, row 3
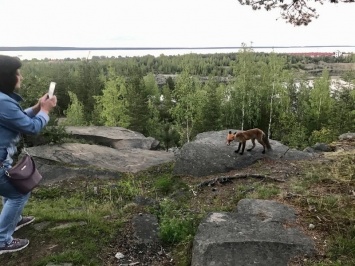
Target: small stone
column 119, row 255
column 311, row 226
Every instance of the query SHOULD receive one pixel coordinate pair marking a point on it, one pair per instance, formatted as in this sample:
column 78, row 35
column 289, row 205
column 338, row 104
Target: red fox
column 230, row 137
column 252, row 134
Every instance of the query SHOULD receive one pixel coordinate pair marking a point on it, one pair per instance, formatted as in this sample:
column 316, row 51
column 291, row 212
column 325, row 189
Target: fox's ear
column 230, row 132
column 235, row 133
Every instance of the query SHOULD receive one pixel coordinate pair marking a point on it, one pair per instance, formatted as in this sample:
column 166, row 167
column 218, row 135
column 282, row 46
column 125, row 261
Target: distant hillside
column 335, row 69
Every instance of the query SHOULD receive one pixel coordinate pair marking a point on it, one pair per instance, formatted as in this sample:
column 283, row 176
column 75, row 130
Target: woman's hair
column 8, row 73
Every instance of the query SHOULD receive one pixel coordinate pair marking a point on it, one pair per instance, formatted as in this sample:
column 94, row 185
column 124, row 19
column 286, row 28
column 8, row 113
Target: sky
column 165, row 23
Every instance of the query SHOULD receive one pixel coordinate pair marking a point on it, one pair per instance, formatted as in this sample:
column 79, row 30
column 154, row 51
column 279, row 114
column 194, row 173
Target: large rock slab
column 208, row 154
column 65, row 160
column 347, row 136
column 261, row 232
column 116, row 137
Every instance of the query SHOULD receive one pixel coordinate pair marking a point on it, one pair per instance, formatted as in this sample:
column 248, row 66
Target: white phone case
column 51, row 89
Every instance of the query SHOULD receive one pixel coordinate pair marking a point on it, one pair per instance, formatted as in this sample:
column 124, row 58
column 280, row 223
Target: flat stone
column 260, row 233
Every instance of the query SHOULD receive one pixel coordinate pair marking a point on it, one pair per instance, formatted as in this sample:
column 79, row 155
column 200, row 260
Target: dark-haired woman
column 15, row 121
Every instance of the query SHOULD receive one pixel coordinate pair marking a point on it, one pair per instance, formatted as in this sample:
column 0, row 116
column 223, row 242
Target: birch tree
column 229, row 106
column 246, row 95
column 184, row 111
column 111, row 105
column 274, row 88
column 320, row 102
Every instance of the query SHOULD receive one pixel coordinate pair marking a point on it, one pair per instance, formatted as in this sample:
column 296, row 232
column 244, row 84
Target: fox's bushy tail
column 267, row 142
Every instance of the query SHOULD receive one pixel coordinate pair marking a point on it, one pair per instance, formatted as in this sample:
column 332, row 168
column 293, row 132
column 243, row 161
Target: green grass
column 324, row 192
column 266, row 191
column 81, row 218
column 177, row 223
column 164, row 184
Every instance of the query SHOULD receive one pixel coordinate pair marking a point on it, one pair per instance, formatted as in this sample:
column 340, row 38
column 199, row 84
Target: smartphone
column 51, row 89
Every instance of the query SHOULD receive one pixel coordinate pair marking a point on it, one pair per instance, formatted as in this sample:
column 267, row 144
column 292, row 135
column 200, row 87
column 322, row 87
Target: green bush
column 324, row 135
column 164, row 184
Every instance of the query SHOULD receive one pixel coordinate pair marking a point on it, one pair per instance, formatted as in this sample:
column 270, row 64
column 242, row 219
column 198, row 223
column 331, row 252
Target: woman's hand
column 47, row 104
column 37, row 107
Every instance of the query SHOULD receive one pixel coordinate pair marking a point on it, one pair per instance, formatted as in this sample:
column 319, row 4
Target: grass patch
column 81, row 218
column 266, row 191
column 177, row 223
column 324, row 193
column 164, row 184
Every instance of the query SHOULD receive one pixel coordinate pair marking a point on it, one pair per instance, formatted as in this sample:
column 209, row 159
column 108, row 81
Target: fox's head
column 230, row 137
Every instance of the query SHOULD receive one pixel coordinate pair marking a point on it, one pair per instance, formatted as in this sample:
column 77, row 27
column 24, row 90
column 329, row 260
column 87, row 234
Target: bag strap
column 5, row 170
column 23, row 149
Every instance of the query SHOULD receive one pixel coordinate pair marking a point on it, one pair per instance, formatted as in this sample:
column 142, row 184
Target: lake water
column 62, row 54
column 108, row 53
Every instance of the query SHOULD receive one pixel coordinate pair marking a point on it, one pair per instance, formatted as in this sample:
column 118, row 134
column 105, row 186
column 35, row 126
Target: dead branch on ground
column 226, row 179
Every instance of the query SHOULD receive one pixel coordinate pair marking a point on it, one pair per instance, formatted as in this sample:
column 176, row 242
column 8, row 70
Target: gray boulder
column 208, row 154
column 254, row 235
column 57, row 162
column 347, row 136
column 145, row 229
column 323, row 147
column 116, row 137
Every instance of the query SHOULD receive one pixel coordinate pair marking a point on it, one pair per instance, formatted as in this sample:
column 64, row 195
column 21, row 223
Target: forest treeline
column 267, row 91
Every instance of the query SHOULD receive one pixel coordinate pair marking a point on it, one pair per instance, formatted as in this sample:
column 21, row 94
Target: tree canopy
column 296, row 12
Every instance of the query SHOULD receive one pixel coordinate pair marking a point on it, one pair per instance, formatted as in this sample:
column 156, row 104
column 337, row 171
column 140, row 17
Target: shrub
column 324, row 135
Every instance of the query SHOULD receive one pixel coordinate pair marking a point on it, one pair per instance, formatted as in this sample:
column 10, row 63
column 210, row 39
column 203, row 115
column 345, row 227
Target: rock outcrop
column 116, row 151
column 208, row 154
column 347, row 136
column 72, row 159
column 116, row 137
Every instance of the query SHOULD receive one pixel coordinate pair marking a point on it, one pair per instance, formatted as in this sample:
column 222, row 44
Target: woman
column 13, row 122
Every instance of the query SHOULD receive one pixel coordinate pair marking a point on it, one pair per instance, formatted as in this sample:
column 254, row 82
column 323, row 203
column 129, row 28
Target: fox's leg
column 262, row 143
column 240, row 144
column 252, row 141
column 243, row 148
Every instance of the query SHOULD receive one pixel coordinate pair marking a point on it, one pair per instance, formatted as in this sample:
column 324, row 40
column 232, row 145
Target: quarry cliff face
column 314, row 70
column 336, row 70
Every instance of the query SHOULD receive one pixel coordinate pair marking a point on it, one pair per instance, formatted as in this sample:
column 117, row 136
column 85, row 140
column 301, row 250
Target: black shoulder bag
column 24, row 175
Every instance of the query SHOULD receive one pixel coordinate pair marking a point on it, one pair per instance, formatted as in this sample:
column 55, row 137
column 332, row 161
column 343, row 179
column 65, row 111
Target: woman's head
column 10, row 76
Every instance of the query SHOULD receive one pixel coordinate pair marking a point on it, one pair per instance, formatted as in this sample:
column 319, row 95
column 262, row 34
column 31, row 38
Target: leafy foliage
column 201, row 93
column 323, row 136
column 75, row 112
column 296, row 12
column 185, row 110
column 111, row 106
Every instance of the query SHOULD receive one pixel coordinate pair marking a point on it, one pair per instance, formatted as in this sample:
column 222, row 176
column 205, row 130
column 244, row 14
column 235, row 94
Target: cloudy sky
column 164, row 23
